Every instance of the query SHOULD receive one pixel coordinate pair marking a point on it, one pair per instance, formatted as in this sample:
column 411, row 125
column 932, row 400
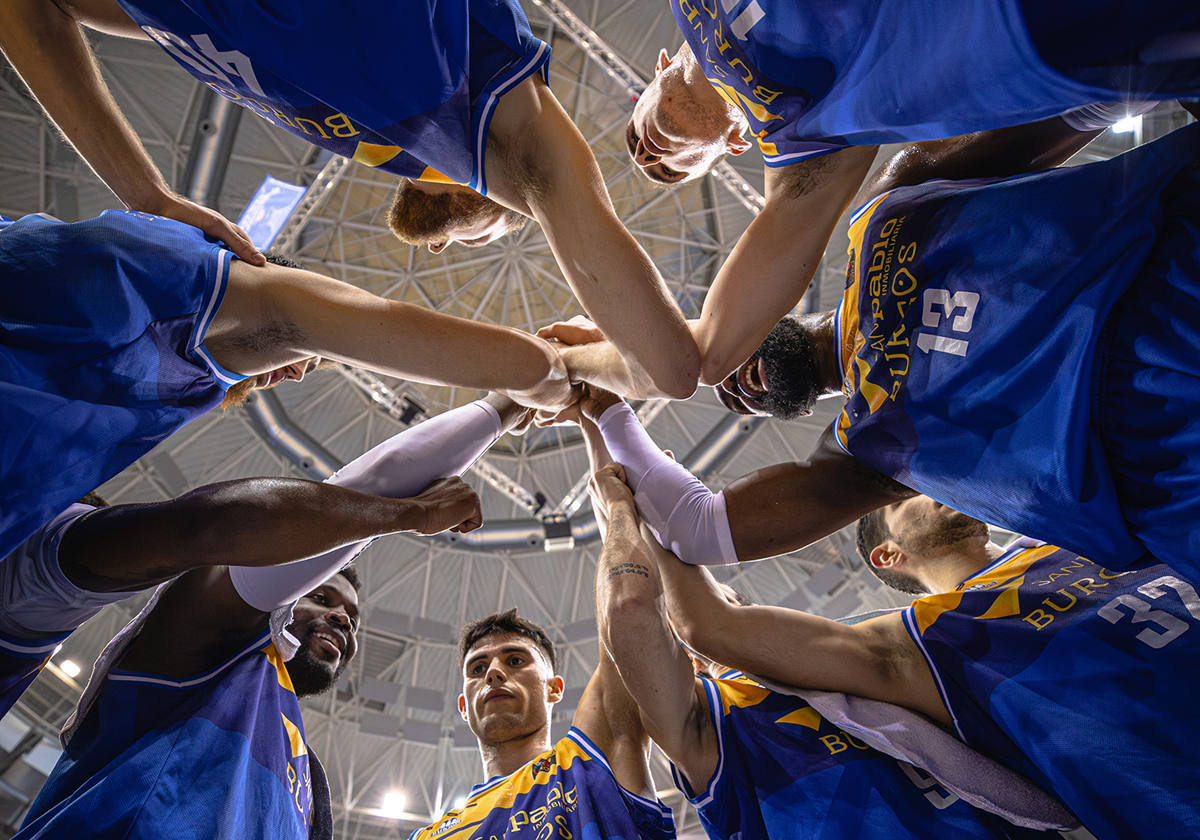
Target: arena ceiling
column 392, row 724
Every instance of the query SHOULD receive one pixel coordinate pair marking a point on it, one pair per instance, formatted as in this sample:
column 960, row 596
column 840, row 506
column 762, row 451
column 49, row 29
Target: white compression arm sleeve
column 685, row 516
column 400, row 467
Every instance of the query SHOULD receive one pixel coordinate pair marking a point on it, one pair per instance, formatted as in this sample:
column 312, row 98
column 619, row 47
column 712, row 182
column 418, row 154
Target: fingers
column 578, row 330
column 236, row 239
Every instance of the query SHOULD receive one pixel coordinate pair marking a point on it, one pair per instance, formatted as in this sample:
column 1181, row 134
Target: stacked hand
column 447, row 503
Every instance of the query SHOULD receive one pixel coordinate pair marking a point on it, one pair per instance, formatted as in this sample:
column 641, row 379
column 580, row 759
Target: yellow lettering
column 907, row 252
column 765, row 95
column 1106, row 575
column 571, row 796
column 712, row 13
column 518, row 819
column 282, row 116
column 688, row 9
column 341, row 125
column 858, row 745
column 1038, row 618
column 908, row 290
column 1082, row 585
column 1055, row 606
column 537, row 815
column 563, row 831
column 747, row 75
column 300, row 121
column 833, row 743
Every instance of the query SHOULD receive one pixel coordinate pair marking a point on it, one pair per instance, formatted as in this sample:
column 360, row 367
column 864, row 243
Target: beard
column 945, row 532
column 310, row 675
column 790, row 363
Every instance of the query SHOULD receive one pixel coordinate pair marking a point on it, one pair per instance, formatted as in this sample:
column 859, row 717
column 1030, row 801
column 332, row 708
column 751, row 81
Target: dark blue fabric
column 100, row 354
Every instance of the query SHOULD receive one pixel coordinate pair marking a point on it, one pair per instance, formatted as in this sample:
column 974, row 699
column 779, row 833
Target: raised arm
column 255, row 521
column 654, row 667
column 539, row 163
column 987, row 154
column 773, row 262
column 275, row 315
column 46, row 46
column 874, row 659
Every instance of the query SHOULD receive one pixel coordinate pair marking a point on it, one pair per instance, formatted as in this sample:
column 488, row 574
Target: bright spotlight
column 393, row 804
column 460, row 802
column 70, row 668
column 1127, row 125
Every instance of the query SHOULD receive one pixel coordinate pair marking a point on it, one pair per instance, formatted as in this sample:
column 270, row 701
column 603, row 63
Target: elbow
column 701, row 635
column 677, row 379
column 715, row 368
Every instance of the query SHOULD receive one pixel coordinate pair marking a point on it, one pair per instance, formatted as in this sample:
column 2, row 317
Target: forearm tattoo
column 629, row 569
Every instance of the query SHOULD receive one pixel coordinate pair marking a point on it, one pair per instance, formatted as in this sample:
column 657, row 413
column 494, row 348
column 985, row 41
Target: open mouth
column 330, row 641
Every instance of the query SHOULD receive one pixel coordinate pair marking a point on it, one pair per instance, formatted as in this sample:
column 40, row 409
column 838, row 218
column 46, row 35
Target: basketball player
column 593, row 783
column 451, row 93
column 191, row 713
column 755, row 763
column 128, row 326
column 1030, row 367
column 817, row 86
column 1073, row 674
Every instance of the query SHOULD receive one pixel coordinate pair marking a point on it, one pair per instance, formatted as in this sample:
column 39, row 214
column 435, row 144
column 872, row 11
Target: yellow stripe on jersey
column 281, row 671
column 432, row 175
column 767, row 147
column 807, row 717
column 373, row 154
column 1006, row 578
column 743, row 103
column 542, row 771
column 741, row 693
column 298, row 746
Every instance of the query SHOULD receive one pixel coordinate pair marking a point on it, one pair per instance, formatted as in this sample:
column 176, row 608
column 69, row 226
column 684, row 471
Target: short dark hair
column 421, row 218
column 276, row 258
column 505, row 622
column 871, row 531
column 350, row 573
column 95, row 500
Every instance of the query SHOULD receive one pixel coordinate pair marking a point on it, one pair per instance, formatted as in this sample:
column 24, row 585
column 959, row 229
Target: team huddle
column 1016, row 345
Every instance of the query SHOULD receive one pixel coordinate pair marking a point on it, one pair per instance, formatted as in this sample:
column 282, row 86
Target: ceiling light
column 393, row 804
column 70, row 668
column 1127, row 125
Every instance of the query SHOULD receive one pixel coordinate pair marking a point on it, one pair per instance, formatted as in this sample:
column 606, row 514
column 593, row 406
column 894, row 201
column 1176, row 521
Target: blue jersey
column 409, row 88
column 101, row 352
column 21, row 660
column 974, row 331
column 567, row 792
column 784, row 771
column 1081, row 678
column 814, row 77
column 221, row 755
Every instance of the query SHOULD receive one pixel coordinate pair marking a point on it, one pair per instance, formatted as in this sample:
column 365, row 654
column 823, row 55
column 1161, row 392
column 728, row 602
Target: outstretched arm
column 655, row 669
column 255, row 521
column 987, row 154
column 275, row 315
column 47, row 47
column 874, row 659
column 540, row 163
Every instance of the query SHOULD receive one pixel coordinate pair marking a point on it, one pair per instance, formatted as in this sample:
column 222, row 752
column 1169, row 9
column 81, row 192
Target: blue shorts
column 101, row 354
column 1150, row 405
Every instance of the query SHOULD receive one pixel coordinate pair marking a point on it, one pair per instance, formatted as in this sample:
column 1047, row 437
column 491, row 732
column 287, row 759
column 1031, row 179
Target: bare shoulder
column 869, row 483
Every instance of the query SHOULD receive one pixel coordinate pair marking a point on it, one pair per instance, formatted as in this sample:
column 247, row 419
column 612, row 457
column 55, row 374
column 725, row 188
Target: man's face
column 325, row 622
column 240, row 391
column 923, row 527
column 508, row 688
column 671, row 137
column 438, row 215
column 781, row 378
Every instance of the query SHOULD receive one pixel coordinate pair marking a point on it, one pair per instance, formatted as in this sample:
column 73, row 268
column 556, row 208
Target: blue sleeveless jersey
column 567, row 792
column 784, row 771
column 1083, row 679
column 973, row 338
column 222, row 755
column 814, row 77
column 21, row 660
column 102, row 325
column 408, row 87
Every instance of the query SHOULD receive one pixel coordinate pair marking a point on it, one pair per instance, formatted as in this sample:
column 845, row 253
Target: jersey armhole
column 707, row 794
column 910, row 624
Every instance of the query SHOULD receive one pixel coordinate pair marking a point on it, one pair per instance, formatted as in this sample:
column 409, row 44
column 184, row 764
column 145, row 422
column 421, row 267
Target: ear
column 554, row 688
column 462, row 706
column 887, row 555
column 736, row 144
column 663, row 61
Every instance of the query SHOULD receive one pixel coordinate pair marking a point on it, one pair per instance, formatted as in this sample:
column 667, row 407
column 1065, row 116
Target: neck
column 506, row 757
column 826, row 345
column 952, row 565
column 702, row 90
